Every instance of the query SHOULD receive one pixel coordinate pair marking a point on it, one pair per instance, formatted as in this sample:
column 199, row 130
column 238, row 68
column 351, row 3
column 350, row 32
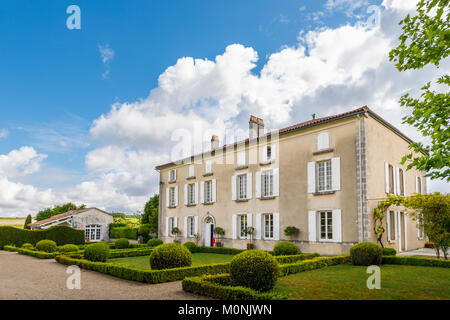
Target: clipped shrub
column 191, row 246
column 46, row 246
column 121, row 243
column 28, row 246
column 170, row 255
column 97, row 252
column 286, row 248
column 389, row 252
column 254, row 269
column 68, row 248
column 154, row 242
column 366, row 254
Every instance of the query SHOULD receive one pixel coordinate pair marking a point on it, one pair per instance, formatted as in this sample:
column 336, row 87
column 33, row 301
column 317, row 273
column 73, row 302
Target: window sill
column 191, row 205
column 208, row 203
column 320, row 193
column 267, row 198
column 172, row 181
column 322, row 151
column 190, row 178
column 242, row 200
column 392, row 241
column 208, row 174
column 262, row 163
column 171, row 207
column 241, row 167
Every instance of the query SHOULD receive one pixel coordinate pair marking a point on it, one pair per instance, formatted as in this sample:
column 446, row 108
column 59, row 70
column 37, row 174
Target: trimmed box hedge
column 147, row 276
column 416, row 261
column 124, row 253
column 220, row 287
column 60, row 234
column 312, row 264
column 295, row 258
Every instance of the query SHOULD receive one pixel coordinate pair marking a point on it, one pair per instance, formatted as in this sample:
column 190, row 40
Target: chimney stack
column 214, row 142
column 256, row 127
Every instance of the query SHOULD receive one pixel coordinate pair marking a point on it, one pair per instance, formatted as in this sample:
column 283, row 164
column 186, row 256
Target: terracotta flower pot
column 218, row 244
column 250, row 246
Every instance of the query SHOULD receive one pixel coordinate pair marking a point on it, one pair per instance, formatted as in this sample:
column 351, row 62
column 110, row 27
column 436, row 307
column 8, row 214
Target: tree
column 150, row 215
column 28, row 220
column 118, row 215
column 50, row 212
column 426, row 40
column 291, row 232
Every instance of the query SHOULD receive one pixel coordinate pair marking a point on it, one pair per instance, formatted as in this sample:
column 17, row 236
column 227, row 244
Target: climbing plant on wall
column 379, row 214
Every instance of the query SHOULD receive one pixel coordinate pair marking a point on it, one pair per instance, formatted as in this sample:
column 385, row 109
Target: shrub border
column 416, row 261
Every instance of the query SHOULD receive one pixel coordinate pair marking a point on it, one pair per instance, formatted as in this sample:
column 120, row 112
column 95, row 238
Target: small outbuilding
column 93, row 221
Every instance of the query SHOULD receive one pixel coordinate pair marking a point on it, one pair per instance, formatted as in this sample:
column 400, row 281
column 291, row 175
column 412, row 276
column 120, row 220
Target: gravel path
column 25, row 277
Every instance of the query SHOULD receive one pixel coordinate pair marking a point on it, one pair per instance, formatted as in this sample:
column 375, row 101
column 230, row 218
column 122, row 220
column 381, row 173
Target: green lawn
column 348, row 282
column 143, row 262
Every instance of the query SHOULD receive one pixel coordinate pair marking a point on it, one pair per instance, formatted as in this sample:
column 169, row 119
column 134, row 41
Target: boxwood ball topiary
column 46, row 246
column 254, row 269
column 170, row 255
column 286, row 248
column 97, row 252
column 28, row 246
column 68, row 248
column 121, row 243
column 366, row 254
column 154, row 242
column 191, row 246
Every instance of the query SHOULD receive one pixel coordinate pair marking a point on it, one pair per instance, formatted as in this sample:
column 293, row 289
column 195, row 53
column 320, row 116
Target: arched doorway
column 208, row 230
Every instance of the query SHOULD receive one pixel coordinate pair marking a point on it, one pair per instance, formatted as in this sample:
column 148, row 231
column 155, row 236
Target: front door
column 209, row 228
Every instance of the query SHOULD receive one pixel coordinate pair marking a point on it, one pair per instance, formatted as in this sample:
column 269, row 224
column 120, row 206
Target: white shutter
column 276, row 182
column 233, row 187
column 337, row 225
column 233, row 226
column 191, row 170
column 214, row 190
column 196, row 193
column 312, row 225
column 274, row 151
column 176, row 195
column 396, row 224
column 404, row 183
column 241, row 158
column 397, row 177
column 258, row 184
column 208, row 166
column 166, row 233
column 258, row 230
column 196, row 225
column 323, row 141
column 276, row 226
column 175, row 222
column 336, row 173
column 386, row 177
column 249, row 185
column 249, row 220
column 185, row 227
column 405, row 221
column 394, row 172
column 167, row 197
column 202, row 192
column 388, row 225
column 311, row 177
column 175, row 173
column 264, row 154
column 185, row 194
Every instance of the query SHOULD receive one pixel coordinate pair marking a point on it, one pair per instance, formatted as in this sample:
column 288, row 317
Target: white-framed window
column 267, row 183
column 323, row 141
column 401, row 181
column 392, row 226
column 190, row 227
column 172, row 175
column 269, row 153
column 419, row 185
column 391, row 179
column 324, row 175
column 208, row 191
column 171, row 225
column 93, row 232
column 208, row 167
column 241, row 159
column 268, row 226
column 242, row 226
column 326, row 225
column 191, row 171
column 242, row 186
column 172, row 197
column 191, row 193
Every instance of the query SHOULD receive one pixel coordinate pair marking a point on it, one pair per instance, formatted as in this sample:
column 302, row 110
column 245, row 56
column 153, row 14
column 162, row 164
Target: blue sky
column 55, row 87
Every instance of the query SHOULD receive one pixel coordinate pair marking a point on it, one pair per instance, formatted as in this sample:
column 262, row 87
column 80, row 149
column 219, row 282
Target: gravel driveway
column 25, row 277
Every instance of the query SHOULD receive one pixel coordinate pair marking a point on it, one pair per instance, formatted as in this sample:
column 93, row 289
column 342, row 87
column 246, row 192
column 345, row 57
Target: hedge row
column 295, row 258
column 220, row 287
column 40, row 254
column 147, row 276
column 60, row 234
column 416, row 261
column 315, row 263
column 219, row 250
column 123, row 253
column 123, row 232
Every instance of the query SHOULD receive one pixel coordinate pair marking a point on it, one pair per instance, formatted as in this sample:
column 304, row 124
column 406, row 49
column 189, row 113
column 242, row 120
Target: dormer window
column 323, row 141
column 172, row 175
column 241, row 159
column 208, row 167
column 191, row 171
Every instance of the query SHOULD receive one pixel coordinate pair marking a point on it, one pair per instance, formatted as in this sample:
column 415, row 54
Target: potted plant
column 249, row 231
column 176, row 232
column 219, row 233
column 291, row 232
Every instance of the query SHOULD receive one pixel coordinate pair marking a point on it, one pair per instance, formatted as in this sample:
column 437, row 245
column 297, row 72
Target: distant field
column 13, row 222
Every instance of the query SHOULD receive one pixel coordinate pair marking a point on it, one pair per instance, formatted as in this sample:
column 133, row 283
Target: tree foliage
column 28, row 220
column 150, row 215
column 50, row 212
column 425, row 40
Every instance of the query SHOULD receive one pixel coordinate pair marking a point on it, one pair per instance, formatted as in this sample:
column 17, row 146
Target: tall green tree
column 426, row 40
column 150, row 215
column 28, row 220
column 50, row 212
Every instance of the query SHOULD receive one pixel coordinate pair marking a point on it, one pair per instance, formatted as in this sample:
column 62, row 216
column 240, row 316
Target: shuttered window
column 326, row 225
column 324, row 175
column 208, row 191
column 172, row 197
column 191, row 194
column 242, row 225
column 242, row 186
column 267, row 183
column 268, row 226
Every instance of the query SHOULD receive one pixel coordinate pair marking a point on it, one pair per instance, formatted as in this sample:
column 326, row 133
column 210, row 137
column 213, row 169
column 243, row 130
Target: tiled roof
column 57, row 217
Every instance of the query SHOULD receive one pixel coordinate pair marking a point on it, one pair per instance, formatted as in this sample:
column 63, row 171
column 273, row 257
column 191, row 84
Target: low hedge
column 11, row 248
column 124, row 253
column 220, row 287
column 416, row 261
column 389, row 252
column 60, row 234
column 219, row 250
column 312, row 264
column 295, row 258
column 38, row 254
column 146, row 276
